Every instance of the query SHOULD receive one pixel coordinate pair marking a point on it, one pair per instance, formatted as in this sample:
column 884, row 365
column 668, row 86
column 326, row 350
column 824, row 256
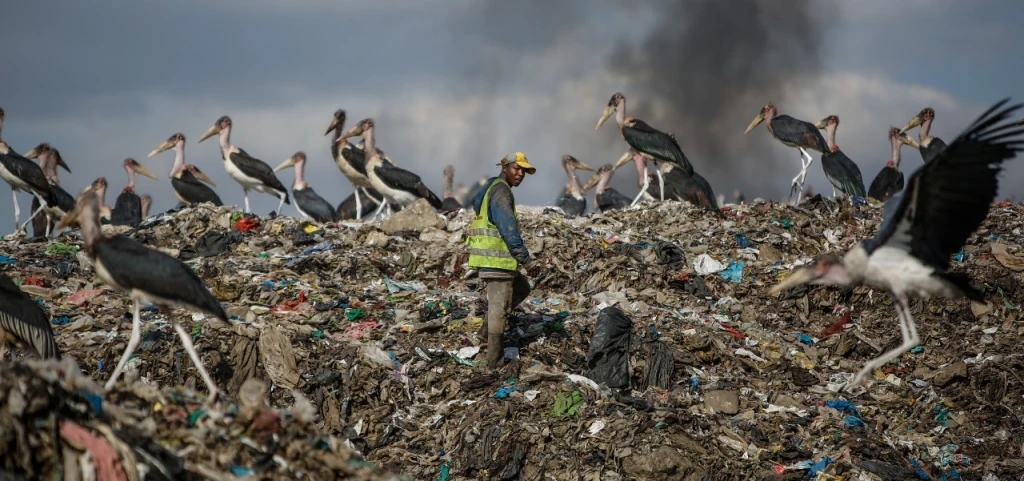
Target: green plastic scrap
column 784, row 222
column 567, row 404
column 445, row 471
column 197, row 328
column 61, row 249
column 353, row 314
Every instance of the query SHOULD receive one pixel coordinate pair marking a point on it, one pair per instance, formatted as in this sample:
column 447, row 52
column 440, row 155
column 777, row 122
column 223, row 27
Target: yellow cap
column 519, row 158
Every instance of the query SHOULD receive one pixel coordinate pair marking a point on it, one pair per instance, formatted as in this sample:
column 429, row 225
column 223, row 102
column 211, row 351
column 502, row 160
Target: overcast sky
column 465, row 81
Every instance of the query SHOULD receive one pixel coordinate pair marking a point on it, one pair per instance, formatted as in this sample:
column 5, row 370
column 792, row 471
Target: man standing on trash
column 496, row 249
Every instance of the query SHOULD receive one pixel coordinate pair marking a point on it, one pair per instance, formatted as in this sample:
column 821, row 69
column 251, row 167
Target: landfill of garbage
column 648, row 349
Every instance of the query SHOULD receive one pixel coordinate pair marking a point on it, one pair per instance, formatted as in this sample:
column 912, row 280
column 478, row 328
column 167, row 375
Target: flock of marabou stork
column 949, row 197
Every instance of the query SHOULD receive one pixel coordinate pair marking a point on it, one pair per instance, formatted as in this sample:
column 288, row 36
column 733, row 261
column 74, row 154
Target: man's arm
column 502, row 215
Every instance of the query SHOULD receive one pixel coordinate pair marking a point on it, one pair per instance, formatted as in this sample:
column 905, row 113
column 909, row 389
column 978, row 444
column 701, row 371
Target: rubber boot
column 499, row 297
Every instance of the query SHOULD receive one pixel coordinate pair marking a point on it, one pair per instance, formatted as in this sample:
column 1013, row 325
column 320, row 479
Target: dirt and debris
column 352, row 352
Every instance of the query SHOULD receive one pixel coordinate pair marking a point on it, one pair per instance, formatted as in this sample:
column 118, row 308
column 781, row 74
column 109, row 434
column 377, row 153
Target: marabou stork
column 645, row 141
column 572, row 201
column 146, row 200
column 889, row 180
column 841, row 171
column 449, row 204
column 605, row 197
column 397, row 185
column 23, row 174
column 49, row 159
column 792, row 133
column 694, row 189
column 347, row 208
column 351, row 160
column 250, row 172
column 100, row 187
column 929, row 147
column 944, row 203
column 145, row 275
column 128, row 206
column 307, row 201
column 22, row 321
column 187, row 180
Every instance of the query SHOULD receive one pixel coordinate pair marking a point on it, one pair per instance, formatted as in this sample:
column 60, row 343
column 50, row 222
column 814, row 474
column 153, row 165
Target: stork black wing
column 127, row 209
column 315, row 206
column 257, row 169
column 948, row 198
column 30, row 173
column 356, row 157
column 399, row 178
column 135, row 266
column 933, row 149
column 25, row 320
column 347, row 208
column 798, row 133
column 191, row 190
column 656, row 143
column 843, row 173
column 612, row 199
column 887, row 183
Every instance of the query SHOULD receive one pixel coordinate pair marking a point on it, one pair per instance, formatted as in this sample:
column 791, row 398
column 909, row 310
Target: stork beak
column 355, row 131
column 908, row 140
column 754, row 123
column 798, row 277
column 334, row 125
column 144, row 171
column 203, row 177
column 591, row 182
column 821, row 124
column 914, row 122
column 164, row 146
column 61, row 163
column 623, row 160
column 210, row 133
column 290, row 161
column 68, row 219
column 583, row 166
column 32, row 154
column 608, row 111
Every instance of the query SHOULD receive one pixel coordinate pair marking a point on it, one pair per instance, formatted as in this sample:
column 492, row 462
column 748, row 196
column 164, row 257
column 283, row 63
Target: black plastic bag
column 608, row 357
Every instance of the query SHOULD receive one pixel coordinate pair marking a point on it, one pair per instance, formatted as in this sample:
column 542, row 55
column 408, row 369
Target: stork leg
column 380, row 208
column 133, row 342
column 661, row 183
column 643, row 189
column 359, row 205
column 280, row 205
column 908, row 331
column 246, row 199
column 368, row 196
column 186, row 340
column 17, row 210
column 42, row 205
column 49, row 226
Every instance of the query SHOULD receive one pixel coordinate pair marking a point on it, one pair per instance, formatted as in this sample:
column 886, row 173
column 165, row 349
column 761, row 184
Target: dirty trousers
column 503, row 294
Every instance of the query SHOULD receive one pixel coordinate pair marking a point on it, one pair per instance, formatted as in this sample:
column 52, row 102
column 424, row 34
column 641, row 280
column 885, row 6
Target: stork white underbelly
column 353, row 175
column 393, row 196
column 13, row 180
column 903, row 274
column 247, row 182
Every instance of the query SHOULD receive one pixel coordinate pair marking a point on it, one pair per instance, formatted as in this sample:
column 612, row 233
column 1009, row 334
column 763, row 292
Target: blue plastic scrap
column 819, row 467
column 804, row 338
column 852, row 421
column 504, row 392
column 742, row 241
column 6, row 260
column 843, row 406
column 920, row 472
column 733, row 273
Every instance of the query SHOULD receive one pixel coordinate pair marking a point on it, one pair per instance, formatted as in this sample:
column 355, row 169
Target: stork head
column 571, row 163
column 296, row 158
column 908, row 140
column 222, row 123
column 87, row 207
column 613, row 104
column 172, row 141
column 39, row 150
column 131, row 164
column 603, row 173
column 449, row 171
column 200, row 175
column 827, row 269
column 923, row 116
column 358, row 129
column 767, row 113
column 827, row 121
column 5, row 148
column 337, row 122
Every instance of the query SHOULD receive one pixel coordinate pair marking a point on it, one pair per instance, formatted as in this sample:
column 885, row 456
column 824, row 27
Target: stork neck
column 225, row 139
column 1, row 127
column 574, row 183
column 370, row 144
column 620, row 113
column 89, row 223
column 896, row 153
column 602, row 184
column 131, row 178
column 926, row 127
column 300, row 183
column 48, row 166
column 145, row 209
column 102, row 194
column 830, row 134
column 447, row 188
column 179, row 159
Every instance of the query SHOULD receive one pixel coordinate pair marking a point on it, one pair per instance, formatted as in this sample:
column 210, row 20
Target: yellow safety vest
column 486, row 247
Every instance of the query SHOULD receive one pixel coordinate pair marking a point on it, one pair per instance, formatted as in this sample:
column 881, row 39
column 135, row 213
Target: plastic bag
column 608, row 357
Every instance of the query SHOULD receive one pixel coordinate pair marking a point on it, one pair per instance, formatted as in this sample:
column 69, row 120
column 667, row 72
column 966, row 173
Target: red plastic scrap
column 837, row 326
column 83, row 296
column 246, row 224
column 104, row 456
column 291, row 306
column 731, row 330
column 1004, row 203
column 32, row 281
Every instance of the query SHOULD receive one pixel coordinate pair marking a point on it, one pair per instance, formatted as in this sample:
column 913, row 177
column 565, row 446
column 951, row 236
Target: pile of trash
column 648, row 349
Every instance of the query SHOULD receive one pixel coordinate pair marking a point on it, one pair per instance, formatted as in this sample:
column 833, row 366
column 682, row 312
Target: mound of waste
column 649, row 349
